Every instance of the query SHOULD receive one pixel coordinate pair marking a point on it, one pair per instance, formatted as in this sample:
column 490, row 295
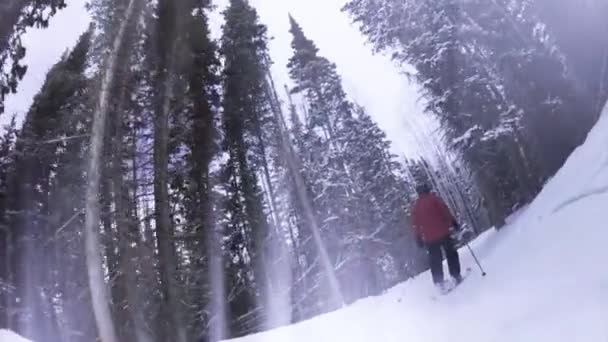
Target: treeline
column 514, row 89
column 161, row 190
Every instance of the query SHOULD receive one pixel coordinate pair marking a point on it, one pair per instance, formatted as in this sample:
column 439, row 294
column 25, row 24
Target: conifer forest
column 163, row 186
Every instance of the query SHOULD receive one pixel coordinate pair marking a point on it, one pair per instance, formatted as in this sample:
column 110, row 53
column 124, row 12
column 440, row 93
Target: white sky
column 371, row 80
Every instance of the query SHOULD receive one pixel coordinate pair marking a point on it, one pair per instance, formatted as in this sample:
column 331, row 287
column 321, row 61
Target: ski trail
column 590, row 193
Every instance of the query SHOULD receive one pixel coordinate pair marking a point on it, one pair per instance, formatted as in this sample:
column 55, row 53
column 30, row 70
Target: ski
column 453, row 285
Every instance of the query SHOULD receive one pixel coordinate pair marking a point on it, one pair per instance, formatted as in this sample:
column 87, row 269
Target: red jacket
column 431, row 218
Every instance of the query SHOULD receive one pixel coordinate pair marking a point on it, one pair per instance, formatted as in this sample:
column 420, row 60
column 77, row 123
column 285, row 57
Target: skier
column 432, row 222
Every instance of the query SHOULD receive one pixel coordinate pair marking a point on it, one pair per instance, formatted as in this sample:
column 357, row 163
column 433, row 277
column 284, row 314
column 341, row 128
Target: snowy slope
column 547, row 276
column 9, row 336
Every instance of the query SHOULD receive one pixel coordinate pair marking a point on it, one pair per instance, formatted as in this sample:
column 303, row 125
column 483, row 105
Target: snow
column 9, row 336
column 546, row 281
column 466, row 136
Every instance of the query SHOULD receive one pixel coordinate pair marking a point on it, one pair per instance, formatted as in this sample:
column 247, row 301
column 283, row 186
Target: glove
column 419, row 242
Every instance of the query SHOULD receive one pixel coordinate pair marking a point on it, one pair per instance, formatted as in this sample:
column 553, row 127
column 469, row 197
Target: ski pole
column 483, row 273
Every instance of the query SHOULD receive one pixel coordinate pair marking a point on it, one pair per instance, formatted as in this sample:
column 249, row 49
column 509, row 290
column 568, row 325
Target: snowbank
column 547, row 276
column 9, row 336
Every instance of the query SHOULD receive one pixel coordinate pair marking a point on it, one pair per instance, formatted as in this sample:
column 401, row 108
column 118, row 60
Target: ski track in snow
column 547, row 279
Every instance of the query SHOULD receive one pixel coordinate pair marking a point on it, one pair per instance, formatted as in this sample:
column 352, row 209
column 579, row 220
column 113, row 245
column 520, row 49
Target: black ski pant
column 436, row 259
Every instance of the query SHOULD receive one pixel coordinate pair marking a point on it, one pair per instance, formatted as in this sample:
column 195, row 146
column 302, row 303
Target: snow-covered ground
column 9, row 336
column 547, row 276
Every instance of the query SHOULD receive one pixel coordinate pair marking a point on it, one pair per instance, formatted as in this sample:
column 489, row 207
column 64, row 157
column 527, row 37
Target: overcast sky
column 371, row 80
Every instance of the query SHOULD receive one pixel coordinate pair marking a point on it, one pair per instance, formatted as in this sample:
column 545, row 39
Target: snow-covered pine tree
column 66, row 209
column 7, row 146
column 385, row 194
column 311, row 266
column 167, row 39
column 292, row 216
column 245, row 118
column 325, row 168
column 558, row 116
column 183, row 94
column 199, row 138
column 349, row 168
column 526, row 66
column 429, row 39
column 37, row 211
column 473, row 60
column 120, row 204
column 112, row 52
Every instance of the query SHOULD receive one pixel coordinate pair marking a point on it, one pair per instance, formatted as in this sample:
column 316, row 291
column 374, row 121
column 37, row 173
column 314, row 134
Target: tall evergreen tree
column 121, row 225
column 386, row 194
column 168, row 39
column 325, row 167
column 199, row 137
column 7, row 146
column 349, row 169
column 36, row 203
column 246, row 118
column 110, row 54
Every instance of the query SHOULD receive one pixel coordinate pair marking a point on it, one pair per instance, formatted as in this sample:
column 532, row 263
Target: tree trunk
column 136, row 253
column 125, row 282
column 170, row 310
column 99, row 291
column 170, row 12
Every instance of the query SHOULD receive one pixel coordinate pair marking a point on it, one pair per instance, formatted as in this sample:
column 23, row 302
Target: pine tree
column 159, row 145
column 116, row 42
column 200, row 139
column 491, row 76
column 7, row 146
column 325, row 168
column 36, row 203
column 167, row 40
column 536, row 81
column 385, row 194
column 246, row 116
column 349, row 169
column 120, row 184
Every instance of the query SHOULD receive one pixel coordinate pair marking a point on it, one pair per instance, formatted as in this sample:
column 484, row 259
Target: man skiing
column 432, row 222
